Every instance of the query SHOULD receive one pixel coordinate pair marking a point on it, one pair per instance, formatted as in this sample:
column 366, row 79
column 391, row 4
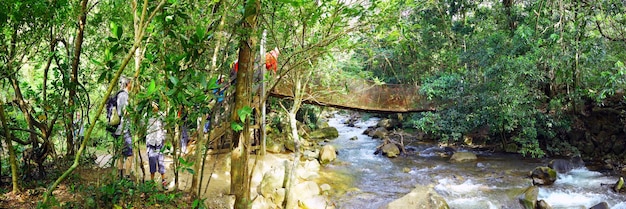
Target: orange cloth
column 270, row 63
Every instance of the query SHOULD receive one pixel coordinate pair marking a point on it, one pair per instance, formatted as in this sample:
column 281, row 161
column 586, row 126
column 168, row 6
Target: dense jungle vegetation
column 513, row 72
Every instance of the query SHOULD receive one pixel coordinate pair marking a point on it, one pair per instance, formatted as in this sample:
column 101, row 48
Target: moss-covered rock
column 528, row 199
column 543, row 175
column 463, row 157
column 324, row 133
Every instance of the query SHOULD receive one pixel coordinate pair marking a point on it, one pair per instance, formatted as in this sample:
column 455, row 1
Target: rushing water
column 363, row 180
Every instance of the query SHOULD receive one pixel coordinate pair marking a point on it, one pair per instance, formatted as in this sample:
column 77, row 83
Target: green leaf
column 174, row 80
column 236, row 126
column 244, row 113
column 151, row 87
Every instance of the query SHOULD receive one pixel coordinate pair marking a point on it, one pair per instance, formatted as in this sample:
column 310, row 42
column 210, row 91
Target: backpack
column 113, row 118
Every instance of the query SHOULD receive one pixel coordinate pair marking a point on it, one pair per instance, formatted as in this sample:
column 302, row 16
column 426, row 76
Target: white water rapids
column 494, row 181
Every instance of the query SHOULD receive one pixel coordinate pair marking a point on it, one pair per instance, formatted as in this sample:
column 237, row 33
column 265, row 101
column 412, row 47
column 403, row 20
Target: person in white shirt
column 154, row 142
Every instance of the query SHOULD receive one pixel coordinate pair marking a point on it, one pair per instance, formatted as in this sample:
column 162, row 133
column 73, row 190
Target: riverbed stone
column 278, row 196
column 463, row 157
column 420, row 197
column 328, row 154
column 315, row 202
column 306, row 189
column 324, row 133
column 602, row 205
column 542, row 204
column 261, row 202
column 390, row 150
column 272, row 180
column 354, row 138
column 311, row 154
column 543, row 175
column 388, row 123
column 379, row 133
column 528, row 199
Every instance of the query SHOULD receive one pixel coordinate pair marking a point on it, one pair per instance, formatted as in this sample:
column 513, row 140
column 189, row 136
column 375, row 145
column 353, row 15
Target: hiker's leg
column 128, row 151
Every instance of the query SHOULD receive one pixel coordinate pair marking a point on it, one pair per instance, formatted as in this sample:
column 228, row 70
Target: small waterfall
column 494, row 181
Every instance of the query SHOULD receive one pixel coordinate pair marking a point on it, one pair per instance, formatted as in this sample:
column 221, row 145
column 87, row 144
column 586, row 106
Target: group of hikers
column 155, row 136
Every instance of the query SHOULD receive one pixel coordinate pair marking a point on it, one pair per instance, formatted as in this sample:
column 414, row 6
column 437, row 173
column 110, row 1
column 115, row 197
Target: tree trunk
column 290, row 201
column 78, row 45
column 9, row 144
column 241, row 139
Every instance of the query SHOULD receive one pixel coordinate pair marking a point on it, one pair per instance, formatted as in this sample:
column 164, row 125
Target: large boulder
column 528, row 199
column 261, row 202
column 315, row 202
column 328, row 154
column 390, row 150
column 272, row 180
column 379, row 133
column 324, row 133
column 420, row 197
column 388, row 123
column 543, row 175
column 463, row 157
column 566, row 165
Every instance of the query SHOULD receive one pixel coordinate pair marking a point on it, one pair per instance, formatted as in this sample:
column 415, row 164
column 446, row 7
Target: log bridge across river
column 361, row 95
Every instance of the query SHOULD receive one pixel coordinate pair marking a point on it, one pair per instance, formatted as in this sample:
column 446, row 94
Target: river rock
column 388, row 124
column 310, row 154
column 566, row 165
column 278, row 196
column 542, row 204
column 315, row 202
column 272, row 180
column 543, row 175
column 602, row 205
column 379, row 133
column 420, row 197
column 463, row 157
column 261, row 202
column 324, row 133
column 328, row 154
column 306, row 189
column 390, row 150
column 528, row 199
column 354, row 138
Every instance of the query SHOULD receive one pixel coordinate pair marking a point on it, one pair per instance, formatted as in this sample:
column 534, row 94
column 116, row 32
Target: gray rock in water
column 390, row 150
column 324, row 133
column 420, row 197
column 602, row 205
column 543, row 175
column 463, row 157
column 328, row 154
column 566, row 165
column 528, row 199
column 542, row 204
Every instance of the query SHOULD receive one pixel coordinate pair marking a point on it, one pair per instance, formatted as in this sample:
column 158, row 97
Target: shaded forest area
column 541, row 78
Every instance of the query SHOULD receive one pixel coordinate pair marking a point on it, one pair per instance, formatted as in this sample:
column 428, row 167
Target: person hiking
column 184, row 136
column 117, row 105
column 154, row 143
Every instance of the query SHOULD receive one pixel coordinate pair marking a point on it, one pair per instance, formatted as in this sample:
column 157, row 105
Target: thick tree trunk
column 240, row 155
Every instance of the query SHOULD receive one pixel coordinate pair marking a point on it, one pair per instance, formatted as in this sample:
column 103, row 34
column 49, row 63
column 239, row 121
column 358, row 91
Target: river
column 363, row 180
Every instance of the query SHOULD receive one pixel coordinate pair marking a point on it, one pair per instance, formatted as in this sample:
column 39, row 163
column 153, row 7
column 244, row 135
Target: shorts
column 127, row 149
column 155, row 157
